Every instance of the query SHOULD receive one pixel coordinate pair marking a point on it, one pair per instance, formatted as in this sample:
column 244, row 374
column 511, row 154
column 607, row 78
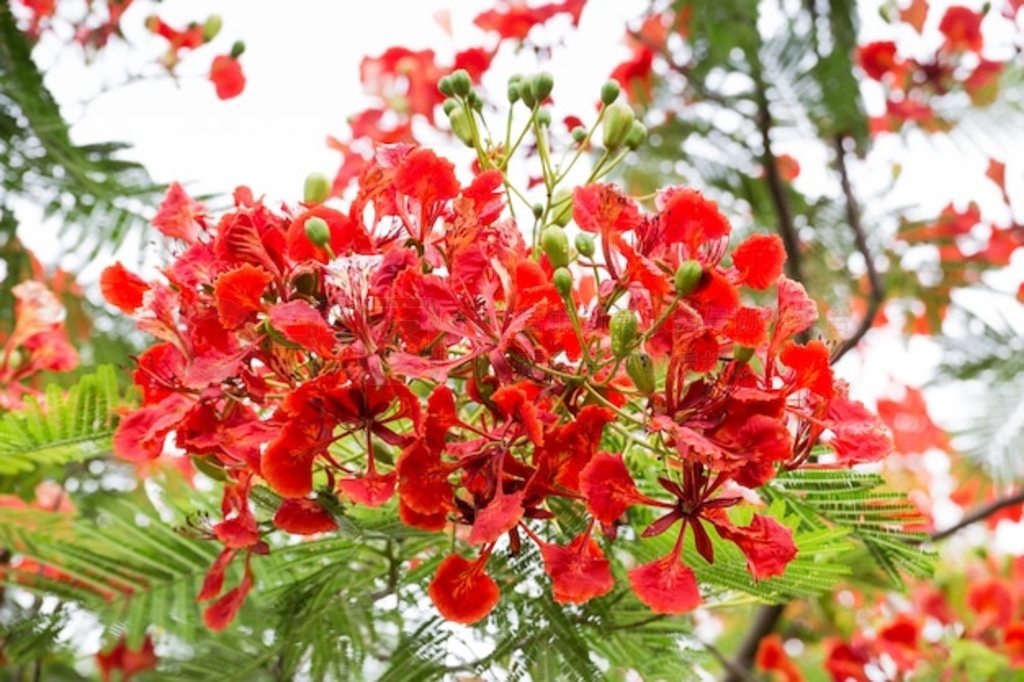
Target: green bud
column 585, row 244
column 316, row 188
column 543, row 117
column 526, row 94
column 211, row 27
column 640, row 369
column 541, row 85
column 449, row 105
column 555, row 243
column 461, row 82
column 445, row 86
column 618, row 120
column 237, row 49
column 475, row 100
column 538, row 210
column 579, row 133
column 742, row 354
column 622, row 328
column 610, row 92
column 461, row 126
column 318, row 231
column 637, row 135
column 562, row 279
column 688, row 276
column 513, row 92
column 563, row 200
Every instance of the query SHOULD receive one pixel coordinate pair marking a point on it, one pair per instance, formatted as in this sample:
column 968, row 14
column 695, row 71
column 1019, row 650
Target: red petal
column 579, row 572
column 122, row 289
column 346, row 235
column 461, row 591
column 767, row 544
column 238, row 294
column 812, row 366
column 759, row 260
column 604, row 208
column 414, row 519
column 748, row 327
column 371, row 490
column 689, row 218
column 427, row 177
column 796, row 312
column 179, row 216
column 608, row 488
column 497, row 518
column 227, row 77
column 219, row 615
column 303, row 517
column 423, row 480
column 666, row 585
column 300, row 323
column 287, row 463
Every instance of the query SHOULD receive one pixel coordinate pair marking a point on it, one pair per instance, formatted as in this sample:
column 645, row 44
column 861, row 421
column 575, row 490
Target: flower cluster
column 959, row 65
column 416, row 345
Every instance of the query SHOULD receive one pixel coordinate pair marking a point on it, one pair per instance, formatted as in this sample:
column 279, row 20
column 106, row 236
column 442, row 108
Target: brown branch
column 876, row 292
column 777, row 188
column 743, row 660
column 979, row 514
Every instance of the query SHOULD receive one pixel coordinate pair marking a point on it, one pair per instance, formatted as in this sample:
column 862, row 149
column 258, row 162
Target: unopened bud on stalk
column 622, row 328
column 461, row 126
column 618, row 120
column 316, row 188
column 555, row 243
column 475, row 100
column 526, row 93
column 237, row 49
column 543, row 117
column 563, row 202
column 637, row 135
column 449, row 105
column 688, row 276
column 585, row 244
column 445, row 86
column 513, row 92
column 318, row 231
column 211, row 27
column 461, row 82
column 579, row 133
column 541, row 85
column 640, row 369
column 609, row 92
column 562, row 279
column 538, row 210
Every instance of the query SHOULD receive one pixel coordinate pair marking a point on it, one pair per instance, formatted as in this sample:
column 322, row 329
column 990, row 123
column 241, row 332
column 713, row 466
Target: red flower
column 878, row 58
column 811, row 365
column 772, row 657
column 129, row 662
column 688, row 218
column 500, row 516
column 767, row 544
column 302, row 324
column 122, row 289
column 227, row 77
column 514, row 19
column 429, row 180
column 303, row 517
column 579, row 572
column 371, row 490
column 962, row 28
column 748, row 327
column 238, row 294
column 179, row 216
column 608, row 488
column 461, row 591
column 346, row 235
column 604, row 209
column 666, row 585
column 759, row 260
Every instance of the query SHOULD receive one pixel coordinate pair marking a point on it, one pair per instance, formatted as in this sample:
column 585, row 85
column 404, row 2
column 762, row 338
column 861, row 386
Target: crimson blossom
column 415, row 345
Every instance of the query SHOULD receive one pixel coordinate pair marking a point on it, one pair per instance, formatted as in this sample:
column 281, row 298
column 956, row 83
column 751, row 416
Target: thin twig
column 979, row 514
column 876, row 293
column 743, row 660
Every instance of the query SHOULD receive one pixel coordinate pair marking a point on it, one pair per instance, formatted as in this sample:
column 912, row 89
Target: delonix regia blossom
column 415, row 344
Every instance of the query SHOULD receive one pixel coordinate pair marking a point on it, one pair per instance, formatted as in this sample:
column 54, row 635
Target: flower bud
column 318, row 231
column 640, row 369
column 541, row 85
column 316, row 188
column 688, row 276
column 562, row 207
column 526, row 93
column 543, row 117
column 579, row 133
column 211, row 27
column 555, row 243
column 475, row 100
column 461, row 82
column 618, row 120
column 609, row 92
column 461, row 126
column 538, row 210
column 562, row 279
column 622, row 328
column 637, row 135
column 449, row 105
column 237, row 49
column 445, row 86
column 513, row 92
column 585, row 244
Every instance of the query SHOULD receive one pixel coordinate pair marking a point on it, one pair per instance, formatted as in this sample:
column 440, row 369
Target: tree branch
column 876, row 292
column 979, row 514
